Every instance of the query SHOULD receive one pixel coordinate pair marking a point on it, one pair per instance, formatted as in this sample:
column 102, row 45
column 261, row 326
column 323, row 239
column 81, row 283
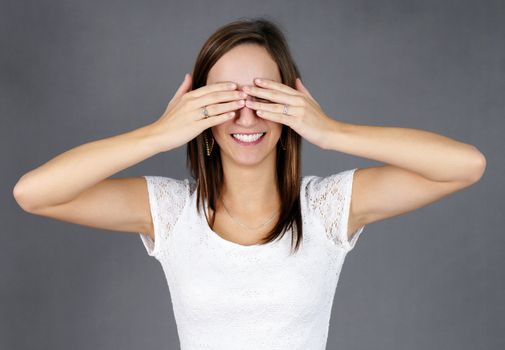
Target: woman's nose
column 247, row 116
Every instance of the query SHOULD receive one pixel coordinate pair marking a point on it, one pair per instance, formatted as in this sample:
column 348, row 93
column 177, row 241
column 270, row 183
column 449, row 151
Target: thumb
column 184, row 87
column 300, row 87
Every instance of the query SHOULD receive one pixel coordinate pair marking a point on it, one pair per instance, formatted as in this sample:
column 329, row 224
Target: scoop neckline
column 233, row 245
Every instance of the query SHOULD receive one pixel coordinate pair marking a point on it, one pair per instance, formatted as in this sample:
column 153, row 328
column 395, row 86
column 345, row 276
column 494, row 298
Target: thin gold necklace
column 243, row 225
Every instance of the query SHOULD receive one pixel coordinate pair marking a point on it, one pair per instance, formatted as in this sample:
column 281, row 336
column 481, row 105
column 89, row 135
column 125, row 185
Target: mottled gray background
column 76, row 71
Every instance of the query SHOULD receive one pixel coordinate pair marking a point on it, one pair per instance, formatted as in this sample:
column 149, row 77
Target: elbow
column 478, row 168
column 19, row 194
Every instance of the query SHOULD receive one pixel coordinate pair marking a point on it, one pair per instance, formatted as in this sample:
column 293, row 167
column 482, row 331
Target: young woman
column 251, row 250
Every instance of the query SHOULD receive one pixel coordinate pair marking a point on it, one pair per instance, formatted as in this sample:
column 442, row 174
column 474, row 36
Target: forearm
column 65, row 176
column 431, row 155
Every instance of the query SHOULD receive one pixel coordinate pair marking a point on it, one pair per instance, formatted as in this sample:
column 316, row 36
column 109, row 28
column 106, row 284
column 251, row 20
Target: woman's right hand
column 183, row 118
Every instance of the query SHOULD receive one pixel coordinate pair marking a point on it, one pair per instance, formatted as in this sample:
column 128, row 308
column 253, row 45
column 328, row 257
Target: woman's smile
column 248, row 139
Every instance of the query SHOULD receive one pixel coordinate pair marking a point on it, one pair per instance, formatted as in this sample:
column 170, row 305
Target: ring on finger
column 205, row 112
column 285, row 110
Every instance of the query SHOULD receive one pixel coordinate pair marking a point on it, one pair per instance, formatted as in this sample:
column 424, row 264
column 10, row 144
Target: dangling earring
column 209, row 151
column 282, row 144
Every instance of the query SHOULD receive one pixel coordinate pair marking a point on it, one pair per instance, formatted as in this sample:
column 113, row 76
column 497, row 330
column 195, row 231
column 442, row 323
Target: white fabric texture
column 230, row 296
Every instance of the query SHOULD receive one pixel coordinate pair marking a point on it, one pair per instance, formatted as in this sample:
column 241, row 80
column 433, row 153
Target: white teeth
column 247, row 138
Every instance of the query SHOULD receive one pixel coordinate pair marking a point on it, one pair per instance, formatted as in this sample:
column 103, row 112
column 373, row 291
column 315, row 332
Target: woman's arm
column 422, row 167
column 433, row 156
column 64, row 177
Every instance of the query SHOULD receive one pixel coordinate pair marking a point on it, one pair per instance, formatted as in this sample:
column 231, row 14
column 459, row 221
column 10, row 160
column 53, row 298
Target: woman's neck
column 250, row 190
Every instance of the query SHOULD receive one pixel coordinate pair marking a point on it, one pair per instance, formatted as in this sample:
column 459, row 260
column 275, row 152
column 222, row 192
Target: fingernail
column 258, row 80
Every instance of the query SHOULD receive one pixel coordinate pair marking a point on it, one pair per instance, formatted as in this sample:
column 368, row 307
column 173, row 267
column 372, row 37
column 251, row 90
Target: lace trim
column 167, row 199
column 330, row 198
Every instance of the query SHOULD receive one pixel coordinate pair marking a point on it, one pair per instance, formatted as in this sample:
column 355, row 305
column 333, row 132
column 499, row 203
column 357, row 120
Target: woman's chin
column 247, row 157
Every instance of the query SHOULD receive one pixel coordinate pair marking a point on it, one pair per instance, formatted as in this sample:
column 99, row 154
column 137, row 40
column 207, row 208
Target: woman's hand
column 183, row 118
column 304, row 115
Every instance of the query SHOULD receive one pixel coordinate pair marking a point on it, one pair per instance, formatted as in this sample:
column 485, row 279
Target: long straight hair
column 207, row 170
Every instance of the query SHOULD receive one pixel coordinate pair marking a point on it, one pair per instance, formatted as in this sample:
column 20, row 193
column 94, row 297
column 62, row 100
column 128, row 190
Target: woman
column 258, row 269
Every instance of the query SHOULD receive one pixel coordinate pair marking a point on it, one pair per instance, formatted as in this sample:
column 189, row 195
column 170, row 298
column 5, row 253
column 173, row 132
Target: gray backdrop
column 76, row 71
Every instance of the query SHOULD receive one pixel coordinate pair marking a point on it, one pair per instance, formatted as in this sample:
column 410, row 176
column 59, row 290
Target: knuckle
column 189, row 100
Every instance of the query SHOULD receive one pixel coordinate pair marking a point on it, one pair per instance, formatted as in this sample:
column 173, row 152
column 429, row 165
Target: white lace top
column 231, row 296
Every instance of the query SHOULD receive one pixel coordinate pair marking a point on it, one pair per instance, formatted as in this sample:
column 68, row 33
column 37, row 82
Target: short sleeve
column 167, row 198
column 329, row 199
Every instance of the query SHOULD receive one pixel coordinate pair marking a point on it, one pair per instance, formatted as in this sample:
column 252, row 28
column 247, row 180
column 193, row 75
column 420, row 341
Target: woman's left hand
column 304, row 115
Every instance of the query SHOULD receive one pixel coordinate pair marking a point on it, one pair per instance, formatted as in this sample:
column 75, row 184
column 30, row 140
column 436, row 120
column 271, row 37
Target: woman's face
column 241, row 65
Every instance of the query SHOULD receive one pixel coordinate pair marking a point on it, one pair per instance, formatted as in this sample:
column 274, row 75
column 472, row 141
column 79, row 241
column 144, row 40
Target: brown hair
column 207, row 170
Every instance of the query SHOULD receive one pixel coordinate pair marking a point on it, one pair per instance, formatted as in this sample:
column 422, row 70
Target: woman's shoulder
column 328, row 199
column 165, row 186
column 317, row 190
column 318, row 182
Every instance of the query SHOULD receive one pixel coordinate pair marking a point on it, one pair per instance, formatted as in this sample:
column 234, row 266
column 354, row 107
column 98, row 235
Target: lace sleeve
column 329, row 199
column 167, row 198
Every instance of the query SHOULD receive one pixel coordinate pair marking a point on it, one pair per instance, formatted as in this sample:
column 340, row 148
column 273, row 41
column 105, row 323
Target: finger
column 217, row 119
column 218, row 97
column 225, row 107
column 272, row 107
column 204, row 90
column 276, row 117
column 274, row 85
column 273, row 95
